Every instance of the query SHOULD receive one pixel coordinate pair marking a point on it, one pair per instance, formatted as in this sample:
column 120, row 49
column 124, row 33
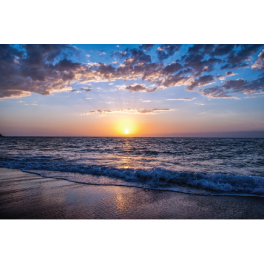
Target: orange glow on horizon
column 126, row 126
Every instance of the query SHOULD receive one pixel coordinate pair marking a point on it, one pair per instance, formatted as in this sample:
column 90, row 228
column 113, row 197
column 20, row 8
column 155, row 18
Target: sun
column 126, row 131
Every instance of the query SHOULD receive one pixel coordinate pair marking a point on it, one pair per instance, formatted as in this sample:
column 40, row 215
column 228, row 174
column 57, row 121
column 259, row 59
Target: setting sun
column 126, row 131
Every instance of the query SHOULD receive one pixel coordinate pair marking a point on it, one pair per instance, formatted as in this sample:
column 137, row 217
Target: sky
column 131, row 90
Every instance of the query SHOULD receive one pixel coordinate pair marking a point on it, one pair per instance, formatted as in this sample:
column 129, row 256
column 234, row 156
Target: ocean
column 202, row 166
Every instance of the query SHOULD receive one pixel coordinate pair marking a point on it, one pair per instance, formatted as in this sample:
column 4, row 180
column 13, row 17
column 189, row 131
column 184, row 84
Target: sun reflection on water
column 120, row 203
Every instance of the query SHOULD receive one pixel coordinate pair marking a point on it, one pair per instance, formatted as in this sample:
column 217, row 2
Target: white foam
column 157, row 178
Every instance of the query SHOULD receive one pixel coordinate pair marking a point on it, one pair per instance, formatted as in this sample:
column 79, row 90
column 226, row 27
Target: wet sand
column 29, row 196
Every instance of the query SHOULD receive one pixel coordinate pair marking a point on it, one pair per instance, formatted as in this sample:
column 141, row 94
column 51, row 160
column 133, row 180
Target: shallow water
column 192, row 165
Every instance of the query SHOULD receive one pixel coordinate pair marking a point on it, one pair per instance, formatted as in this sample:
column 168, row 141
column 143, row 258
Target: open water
column 206, row 166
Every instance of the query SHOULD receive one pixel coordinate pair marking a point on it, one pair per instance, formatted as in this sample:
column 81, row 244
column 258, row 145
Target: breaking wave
column 154, row 178
column 191, row 165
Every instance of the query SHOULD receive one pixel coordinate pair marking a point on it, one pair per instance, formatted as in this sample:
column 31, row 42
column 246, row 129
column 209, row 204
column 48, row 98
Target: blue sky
column 160, row 89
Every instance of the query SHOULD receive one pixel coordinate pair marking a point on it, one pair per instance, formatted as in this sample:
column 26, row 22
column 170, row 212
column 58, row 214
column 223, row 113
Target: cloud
column 176, row 80
column 167, row 50
column 95, row 64
column 140, row 88
column 200, row 48
column 101, row 52
column 229, row 73
column 181, row 99
column 146, row 47
column 235, row 86
column 88, row 55
column 217, row 93
column 198, row 63
column 222, row 49
column 238, row 58
column 223, row 77
column 128, row 111
column 201, row 81
column 259, row 63
column 42, row 69
column 86, row 89
column 147, row 101
column 20, row 101
column 45, row 69
column 172, row 68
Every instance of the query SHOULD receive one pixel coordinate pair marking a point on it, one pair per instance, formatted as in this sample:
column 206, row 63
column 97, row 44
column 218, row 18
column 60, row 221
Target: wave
column 154, row 178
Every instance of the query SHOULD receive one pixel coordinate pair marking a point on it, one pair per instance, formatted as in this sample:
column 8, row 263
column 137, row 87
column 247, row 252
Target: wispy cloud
column 86, row 89
column 128, row 111
column 101, row 52
column 181, row 99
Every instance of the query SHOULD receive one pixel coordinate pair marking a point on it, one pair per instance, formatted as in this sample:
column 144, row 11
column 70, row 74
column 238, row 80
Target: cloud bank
column 44, row 69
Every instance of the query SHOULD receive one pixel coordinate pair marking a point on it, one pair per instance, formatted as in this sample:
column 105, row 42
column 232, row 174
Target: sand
column 29, row 196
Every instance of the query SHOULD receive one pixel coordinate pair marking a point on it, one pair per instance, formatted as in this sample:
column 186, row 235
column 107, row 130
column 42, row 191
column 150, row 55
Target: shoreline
column 145, row 188
column 26, row 195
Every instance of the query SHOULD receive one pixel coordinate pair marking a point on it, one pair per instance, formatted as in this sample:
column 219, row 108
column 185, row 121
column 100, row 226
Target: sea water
column 206, row 166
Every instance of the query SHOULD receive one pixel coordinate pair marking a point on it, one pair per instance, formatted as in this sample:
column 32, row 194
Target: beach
column 30, row 196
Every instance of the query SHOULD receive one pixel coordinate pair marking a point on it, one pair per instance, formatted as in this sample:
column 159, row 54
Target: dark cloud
column 216, row 92
column 133, row 56
column 146, row 47
column 140, row 88
column 199, row 64
column 166, row 50
column 201, row 81
column 86, row 89
column 172, row 68
column 35, row 68
column 136, row 88
column 229, row 73
column 175, row 80
column 201, row 48
column 139, row 56
column 259, row 63
column 236, row 86
column 238, row 58
column 244, row 86
column 45, row 69
column 222, row 49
